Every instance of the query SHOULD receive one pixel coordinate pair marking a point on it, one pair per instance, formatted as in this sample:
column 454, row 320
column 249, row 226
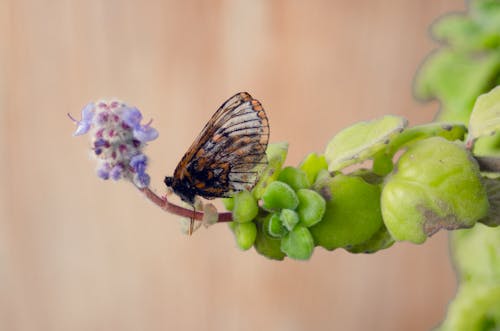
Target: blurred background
column 78, row 253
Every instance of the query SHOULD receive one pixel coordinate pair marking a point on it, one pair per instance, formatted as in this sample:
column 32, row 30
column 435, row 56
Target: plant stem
column 167, row 206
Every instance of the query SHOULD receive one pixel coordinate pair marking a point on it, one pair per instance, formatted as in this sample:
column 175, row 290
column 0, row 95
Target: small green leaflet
column 485, row 117
column 362, row 141
column 276, row 155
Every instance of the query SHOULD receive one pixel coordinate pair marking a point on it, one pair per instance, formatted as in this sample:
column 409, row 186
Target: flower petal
column 131, row 116
column 82, row 128
column 116, row 172
column 103, row 171
column 84, row 125
column 145, row 133
column 139, row 163
column 142, row 180
column 88, row 112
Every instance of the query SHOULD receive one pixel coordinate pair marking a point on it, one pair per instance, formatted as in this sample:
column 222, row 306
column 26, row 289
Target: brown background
column 77, row 253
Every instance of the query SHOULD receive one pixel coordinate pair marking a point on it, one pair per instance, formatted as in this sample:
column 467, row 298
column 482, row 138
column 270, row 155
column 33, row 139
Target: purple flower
column 145, row 133
column 139, row 163
column 84, row 125
column 118, row 140
column 117, row 172
column 133, row 117
column 141, row 180
column 103, row 171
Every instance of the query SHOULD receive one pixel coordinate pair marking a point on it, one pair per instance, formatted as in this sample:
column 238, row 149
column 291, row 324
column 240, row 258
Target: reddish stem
column 167, row 206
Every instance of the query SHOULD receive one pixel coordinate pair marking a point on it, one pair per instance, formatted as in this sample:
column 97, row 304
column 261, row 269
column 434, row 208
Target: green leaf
column 352, row 214
column 382, row 239
column 298, row 244
column 486, row 13
column 437, row 185
column 476, row 307
column 485, row 117
column 456, row 78
column 265, row 244
column 449, row 131
column 312, row 165
column 294, row 177
column 276, row 155
column 464, row 33
column 362, row 141
column 476, row 254
column 492, row 186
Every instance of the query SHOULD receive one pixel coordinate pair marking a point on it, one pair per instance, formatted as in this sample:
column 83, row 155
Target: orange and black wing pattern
column 228, row 154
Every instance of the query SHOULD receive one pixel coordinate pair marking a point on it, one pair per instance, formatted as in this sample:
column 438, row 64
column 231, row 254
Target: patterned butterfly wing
column 228, row 154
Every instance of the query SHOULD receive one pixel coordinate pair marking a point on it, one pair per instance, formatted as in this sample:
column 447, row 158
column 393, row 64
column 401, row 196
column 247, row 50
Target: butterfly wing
column 229, row 153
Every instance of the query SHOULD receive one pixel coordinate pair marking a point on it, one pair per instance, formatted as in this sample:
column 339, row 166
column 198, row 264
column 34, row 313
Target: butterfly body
column 227, row 155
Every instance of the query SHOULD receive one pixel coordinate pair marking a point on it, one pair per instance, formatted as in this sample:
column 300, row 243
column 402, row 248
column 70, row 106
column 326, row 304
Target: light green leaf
column 456, row 78
column 362, row 141
column 276, row 155
column 485, row 117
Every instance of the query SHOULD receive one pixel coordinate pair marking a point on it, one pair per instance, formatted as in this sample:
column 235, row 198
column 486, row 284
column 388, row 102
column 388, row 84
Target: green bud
column 265, row 244
column 298, row 244
column 312, row 165
column 294, row 177
column 289, row 218
column 352, row 214
column 245, row 234
column 275, row 227
column 311, row 207
column 245, row 207
column 436, row 186
column 228, row 203
column 279, row 195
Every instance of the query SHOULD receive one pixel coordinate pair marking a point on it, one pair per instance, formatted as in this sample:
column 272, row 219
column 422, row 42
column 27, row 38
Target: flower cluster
column 118, row 139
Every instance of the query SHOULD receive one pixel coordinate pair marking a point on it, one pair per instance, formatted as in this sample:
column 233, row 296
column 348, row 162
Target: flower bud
column 294, row 177
column 264, row 243
column 312, row 165
column 289, row 218
column 279, row 195
column 298, row 244
column 245, row 207
column 275, row 227
column 311, row 207
column 245, row 234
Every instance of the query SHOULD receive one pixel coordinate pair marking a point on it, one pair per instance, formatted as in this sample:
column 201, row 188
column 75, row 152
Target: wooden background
column 77, row 253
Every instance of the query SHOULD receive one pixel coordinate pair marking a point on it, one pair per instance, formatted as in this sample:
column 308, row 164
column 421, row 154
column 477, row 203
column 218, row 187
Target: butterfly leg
column 198, row 205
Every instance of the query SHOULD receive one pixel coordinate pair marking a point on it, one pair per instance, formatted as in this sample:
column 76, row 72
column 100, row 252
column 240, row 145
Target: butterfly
column 228, row 154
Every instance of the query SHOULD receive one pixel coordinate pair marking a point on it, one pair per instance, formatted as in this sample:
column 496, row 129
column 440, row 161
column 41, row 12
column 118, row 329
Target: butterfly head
column 181, row 188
